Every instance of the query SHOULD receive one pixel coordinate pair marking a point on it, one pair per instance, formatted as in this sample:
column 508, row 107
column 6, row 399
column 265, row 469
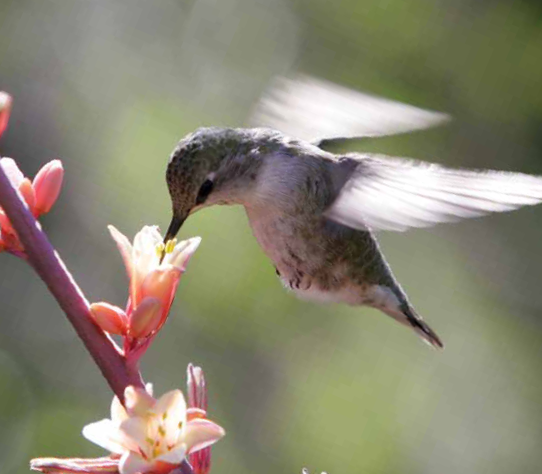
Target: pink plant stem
column 43, row 258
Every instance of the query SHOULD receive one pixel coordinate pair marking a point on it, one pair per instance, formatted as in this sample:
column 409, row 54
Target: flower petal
column 182, row 253
column 199, row 434
column 136, row 429
column 106, row 434
column 118, row 412
column 138, row 401
column 161, row 283
column 193, row 413
column 171, row 408
column 174, row 456
column 146, row 318
column 132, row 463
column 125, row 248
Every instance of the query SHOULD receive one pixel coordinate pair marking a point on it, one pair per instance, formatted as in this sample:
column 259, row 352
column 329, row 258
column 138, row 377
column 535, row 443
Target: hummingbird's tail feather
column 421, row 327
column 406, row 315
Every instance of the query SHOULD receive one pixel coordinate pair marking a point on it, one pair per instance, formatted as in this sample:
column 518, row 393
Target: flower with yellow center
column 152, row 435
column 154, row 271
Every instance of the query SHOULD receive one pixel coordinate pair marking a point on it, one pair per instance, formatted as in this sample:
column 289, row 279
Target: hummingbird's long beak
column 173, row 229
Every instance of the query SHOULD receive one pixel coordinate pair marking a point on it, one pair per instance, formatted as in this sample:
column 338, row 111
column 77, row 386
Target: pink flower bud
column 110, row 318
column 146, row 318
column 197, row 390
column 47, row 184
column 27, row 192
column 5, row 110
column 197, row 402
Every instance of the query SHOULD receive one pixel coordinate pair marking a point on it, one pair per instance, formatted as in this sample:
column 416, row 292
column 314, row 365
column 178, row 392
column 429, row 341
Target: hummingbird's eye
column 204, row 191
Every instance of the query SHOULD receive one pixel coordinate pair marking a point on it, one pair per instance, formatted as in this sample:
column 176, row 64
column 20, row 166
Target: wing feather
column 394, row 194
column 319, row 111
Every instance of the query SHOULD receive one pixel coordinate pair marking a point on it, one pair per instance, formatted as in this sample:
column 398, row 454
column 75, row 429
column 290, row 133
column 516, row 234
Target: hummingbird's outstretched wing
column 384, row 193
column 323, row 112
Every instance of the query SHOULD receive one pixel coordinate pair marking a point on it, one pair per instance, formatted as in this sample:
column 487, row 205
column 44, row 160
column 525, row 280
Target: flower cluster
column 39, row 195
column 152, row 435
column 154, row 270
column 146, row 435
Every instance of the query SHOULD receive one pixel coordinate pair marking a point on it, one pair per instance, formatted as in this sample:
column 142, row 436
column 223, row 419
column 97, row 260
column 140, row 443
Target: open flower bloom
column 152, row 435
column 39, row 195
column 153, row 282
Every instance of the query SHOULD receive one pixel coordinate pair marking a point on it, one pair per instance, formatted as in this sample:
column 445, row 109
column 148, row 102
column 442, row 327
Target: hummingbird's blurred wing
column 323, row 112
column 385, row 193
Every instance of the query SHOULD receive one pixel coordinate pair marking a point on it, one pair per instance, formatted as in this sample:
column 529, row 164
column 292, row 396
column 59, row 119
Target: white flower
column 151, row 432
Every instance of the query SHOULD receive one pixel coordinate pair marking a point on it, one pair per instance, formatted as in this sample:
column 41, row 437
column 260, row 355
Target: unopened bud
column 47, row 184
column 5, row 110
column 110, row 318
column 197, row 403
column 197, row 390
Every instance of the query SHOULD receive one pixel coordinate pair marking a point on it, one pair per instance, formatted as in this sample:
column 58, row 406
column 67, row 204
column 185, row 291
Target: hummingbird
column 315, row 213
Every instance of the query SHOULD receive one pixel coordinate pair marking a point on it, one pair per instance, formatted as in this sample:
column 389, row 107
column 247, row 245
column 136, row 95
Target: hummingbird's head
column 198, row 174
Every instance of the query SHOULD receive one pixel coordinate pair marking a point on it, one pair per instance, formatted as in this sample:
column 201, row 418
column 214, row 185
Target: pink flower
column 39, row 196
column 153, row 282
column 152, row 435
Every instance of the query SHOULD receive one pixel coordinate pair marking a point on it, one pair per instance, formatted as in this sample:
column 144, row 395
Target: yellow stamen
column 161, row 431
column 170, row 245
column 160, row 249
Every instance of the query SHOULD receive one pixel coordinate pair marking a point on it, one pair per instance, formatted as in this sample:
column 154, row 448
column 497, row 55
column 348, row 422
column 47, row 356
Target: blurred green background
column 110, row 86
